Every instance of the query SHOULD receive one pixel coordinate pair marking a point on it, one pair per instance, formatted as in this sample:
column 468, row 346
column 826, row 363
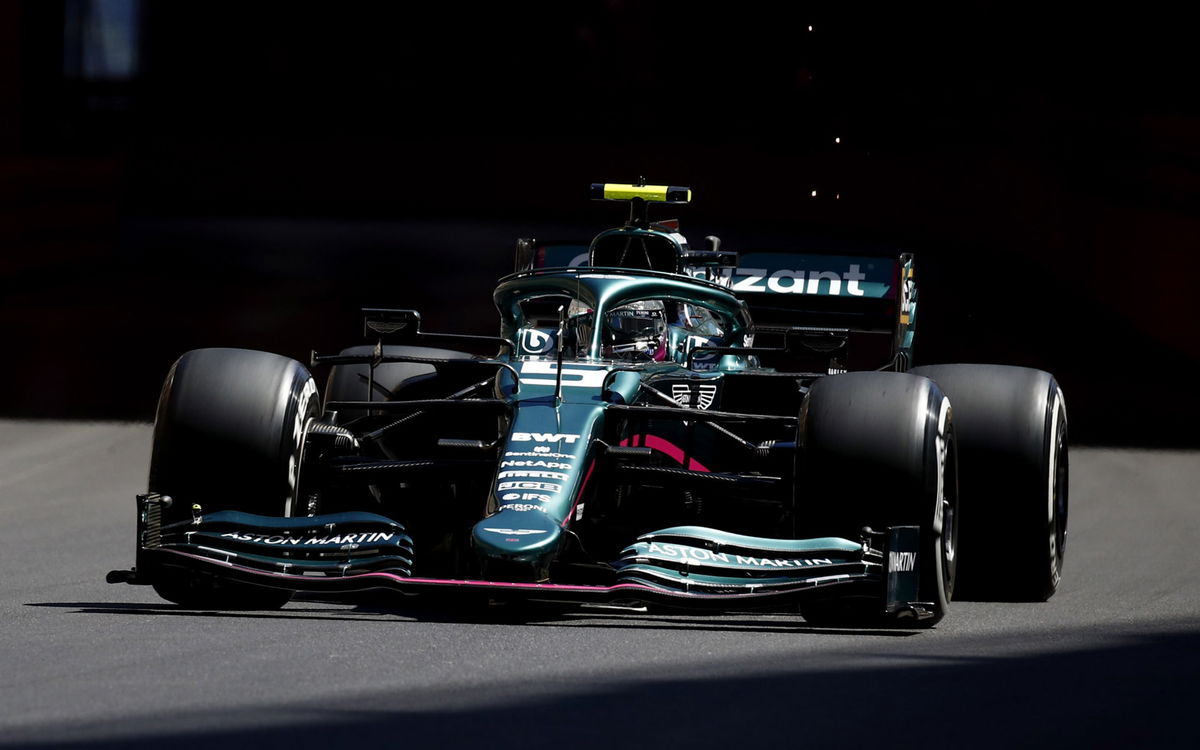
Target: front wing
column 682, row 567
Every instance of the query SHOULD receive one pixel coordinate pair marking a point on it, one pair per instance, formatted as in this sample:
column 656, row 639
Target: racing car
column 631, row 437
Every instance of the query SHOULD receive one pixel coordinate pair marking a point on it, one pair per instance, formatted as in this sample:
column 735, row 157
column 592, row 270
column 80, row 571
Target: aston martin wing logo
column 694, row 396
column 516, row 532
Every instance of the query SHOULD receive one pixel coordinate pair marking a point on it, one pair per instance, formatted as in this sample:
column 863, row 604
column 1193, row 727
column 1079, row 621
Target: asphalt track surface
column 1112, row 661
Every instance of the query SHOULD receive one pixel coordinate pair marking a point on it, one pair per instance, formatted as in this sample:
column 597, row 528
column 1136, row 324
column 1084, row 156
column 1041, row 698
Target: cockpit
column 617, row 315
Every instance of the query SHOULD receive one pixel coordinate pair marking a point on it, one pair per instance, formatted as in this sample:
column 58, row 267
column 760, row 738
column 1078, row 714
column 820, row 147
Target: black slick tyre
column 417, row 379
column 229, row 435
column 1012, row 434
column 879, row 450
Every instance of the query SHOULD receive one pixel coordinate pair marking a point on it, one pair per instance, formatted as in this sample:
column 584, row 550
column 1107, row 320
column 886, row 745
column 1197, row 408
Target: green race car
column 632, row 435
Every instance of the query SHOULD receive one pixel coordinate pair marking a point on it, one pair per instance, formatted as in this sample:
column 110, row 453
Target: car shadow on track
column 172, row 610
column 503, row 615
column 634, row 618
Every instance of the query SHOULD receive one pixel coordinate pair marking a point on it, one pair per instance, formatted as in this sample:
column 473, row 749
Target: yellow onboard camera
column 613, row 191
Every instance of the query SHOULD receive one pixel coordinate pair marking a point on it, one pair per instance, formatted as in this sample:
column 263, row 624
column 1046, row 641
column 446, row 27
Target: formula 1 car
column 631, row 436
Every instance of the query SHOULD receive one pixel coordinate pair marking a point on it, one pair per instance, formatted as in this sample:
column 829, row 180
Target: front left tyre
column 229, row 435
column 1012, row 432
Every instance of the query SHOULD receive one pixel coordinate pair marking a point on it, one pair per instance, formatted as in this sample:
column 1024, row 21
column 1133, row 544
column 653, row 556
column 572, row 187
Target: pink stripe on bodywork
column 579, row 496
column 654, row 442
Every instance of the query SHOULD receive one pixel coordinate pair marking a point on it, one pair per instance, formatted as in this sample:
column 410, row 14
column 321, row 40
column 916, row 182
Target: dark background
column 185, row 174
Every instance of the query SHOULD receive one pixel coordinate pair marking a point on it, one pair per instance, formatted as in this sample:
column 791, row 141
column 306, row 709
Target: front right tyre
column 879, row 450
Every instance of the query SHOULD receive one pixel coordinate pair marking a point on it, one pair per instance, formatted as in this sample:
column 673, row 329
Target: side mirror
column 395, row 324
column 712, row 259
column 712, row 245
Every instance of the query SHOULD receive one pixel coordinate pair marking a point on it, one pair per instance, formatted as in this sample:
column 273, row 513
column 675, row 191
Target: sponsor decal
column 541, row 486
column 299, row 425
column 907, row 303
column 698, row 396
column 682, row 552
column 367, row 537
column 534, row 341
column 944, row 415
column 704, row 360
column 539, row 451
column 764, row 562
column 515, row 532
column 522, row 507
column 573, row 376
column 902, row 561
column 796, row 281
column 526, row 497
column 538, row 464
column 533, row 473
column 543, row 437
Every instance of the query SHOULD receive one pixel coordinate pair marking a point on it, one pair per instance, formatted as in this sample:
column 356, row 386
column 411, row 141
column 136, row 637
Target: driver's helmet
column 636, row 331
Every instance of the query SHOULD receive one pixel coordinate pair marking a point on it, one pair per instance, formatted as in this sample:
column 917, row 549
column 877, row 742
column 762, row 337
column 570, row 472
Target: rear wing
column 836, row 312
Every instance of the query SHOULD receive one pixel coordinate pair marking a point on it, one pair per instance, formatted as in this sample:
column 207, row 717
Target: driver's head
column 636, row 331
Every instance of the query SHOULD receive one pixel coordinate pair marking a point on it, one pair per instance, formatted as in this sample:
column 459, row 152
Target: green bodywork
column 553, row 440
column 534, row 499
column 580, row 420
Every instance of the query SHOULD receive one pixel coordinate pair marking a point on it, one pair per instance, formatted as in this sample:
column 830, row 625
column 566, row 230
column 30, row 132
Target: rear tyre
column 438, row 533
column 229, row 435
column 879, row 450
column 354, row 383
column 1012, row 429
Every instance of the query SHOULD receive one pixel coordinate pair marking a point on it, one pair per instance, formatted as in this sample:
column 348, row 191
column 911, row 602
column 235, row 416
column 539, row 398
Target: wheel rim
column 1061, row 474
column 949, row 540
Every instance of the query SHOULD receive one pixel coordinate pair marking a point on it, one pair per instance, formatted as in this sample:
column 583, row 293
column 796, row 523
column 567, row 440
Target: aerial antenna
column 562, row 333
